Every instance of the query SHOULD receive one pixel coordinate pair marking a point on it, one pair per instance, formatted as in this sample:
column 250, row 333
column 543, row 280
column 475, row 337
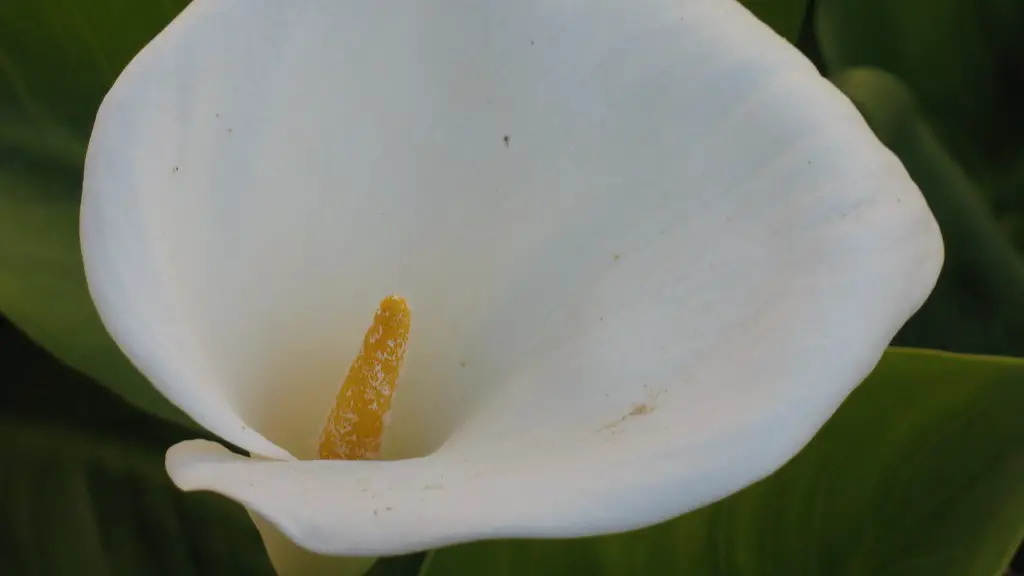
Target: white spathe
column 648, row 250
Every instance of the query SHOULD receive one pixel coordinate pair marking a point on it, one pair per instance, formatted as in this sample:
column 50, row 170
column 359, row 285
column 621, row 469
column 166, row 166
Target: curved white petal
column 648, row 250
column 288, row 557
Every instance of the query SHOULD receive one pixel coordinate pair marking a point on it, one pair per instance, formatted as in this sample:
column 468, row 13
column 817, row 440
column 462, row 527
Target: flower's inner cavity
column 356, row 423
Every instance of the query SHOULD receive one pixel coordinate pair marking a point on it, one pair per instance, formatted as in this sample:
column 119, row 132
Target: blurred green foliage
column 942, row 83
column 83, row 490
column 920, row 472
column 57, row 60
column 978, row 304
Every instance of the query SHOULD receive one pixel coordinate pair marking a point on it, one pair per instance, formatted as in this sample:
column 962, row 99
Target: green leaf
column 407, row 565
column 960, row 57
column 57, row 60
column 978, row 304
column 784, row 16
column 83, row 488
column 82, row 504
column 921, row 471
column 962, row 60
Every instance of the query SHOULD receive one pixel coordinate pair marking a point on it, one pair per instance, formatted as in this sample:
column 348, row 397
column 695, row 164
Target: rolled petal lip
column 648, row 249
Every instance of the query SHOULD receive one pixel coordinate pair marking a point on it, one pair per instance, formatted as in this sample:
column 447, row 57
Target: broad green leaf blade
column 57, row 60
column 978, row 304
column 784, row 16
column 83, row 488
column 920, row 472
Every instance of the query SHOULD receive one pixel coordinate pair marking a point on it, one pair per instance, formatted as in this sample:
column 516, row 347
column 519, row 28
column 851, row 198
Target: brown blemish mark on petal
column 641, row 410
column 433, row 487
column 636, row 411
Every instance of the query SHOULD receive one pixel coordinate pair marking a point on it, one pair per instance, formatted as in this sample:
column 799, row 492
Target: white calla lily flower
column 647, row 249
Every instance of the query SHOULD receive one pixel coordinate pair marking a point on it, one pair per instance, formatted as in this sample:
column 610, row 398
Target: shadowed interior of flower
column 362, row 408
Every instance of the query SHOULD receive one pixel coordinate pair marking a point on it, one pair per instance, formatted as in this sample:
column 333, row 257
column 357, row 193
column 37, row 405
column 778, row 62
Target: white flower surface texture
column 648, row 250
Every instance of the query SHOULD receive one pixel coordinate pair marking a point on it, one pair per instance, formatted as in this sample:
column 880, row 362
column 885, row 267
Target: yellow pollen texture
column 355, row 425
